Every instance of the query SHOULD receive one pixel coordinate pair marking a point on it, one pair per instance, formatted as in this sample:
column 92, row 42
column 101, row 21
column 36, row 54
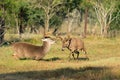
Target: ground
column 103, row 63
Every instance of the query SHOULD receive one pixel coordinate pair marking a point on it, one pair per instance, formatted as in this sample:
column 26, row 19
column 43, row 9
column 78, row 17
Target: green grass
column 104, row 63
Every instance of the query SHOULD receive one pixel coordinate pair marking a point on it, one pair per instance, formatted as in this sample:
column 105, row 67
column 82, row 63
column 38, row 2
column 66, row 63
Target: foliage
column 52, row 13
column 115, row 24
column 104, row 11
column 35, row 16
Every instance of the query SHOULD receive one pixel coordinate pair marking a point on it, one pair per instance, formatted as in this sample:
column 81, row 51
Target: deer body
column 74, row 45
column 25, row 50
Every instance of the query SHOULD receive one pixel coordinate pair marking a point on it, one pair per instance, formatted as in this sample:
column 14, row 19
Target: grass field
column 104, row 63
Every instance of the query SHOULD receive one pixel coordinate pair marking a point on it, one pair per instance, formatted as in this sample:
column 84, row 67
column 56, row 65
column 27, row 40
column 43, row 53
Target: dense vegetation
column 21, row 16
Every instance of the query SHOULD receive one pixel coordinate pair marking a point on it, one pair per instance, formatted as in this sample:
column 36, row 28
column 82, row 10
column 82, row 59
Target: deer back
column 25, row 48
column 76, row 43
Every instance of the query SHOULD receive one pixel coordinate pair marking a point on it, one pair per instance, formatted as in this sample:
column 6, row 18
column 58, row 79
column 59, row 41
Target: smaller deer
column 25, row 50
column 74, row 45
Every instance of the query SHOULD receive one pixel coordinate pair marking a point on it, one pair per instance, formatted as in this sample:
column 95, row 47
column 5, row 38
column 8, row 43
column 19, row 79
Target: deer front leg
column 37, row 58
column 69, row 56
column 73, row 55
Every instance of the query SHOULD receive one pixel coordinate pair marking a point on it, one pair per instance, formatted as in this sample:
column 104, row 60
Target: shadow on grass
column 79, row 59
column 52, row 59
column 84, row 59
column 86, row 73
column 56, row 59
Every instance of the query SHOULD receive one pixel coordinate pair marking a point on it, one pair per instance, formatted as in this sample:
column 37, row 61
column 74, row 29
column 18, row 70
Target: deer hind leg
column 85, row 53
column 77, row 52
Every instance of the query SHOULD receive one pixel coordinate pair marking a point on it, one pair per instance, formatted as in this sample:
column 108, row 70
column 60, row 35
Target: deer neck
column 46, row 46
column 69, row 44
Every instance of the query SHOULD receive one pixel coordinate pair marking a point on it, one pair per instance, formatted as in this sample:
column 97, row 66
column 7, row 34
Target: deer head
column 65, row 41
column 49, row 40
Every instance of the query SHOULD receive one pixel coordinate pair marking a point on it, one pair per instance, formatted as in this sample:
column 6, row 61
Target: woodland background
column 60, row 17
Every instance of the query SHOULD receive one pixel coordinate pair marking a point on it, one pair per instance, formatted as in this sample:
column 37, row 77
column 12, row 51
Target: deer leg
column 69, row 56
column 37, row 58
column 73, row 55
column 85, row 53
column 77, row 55
column 77, row 52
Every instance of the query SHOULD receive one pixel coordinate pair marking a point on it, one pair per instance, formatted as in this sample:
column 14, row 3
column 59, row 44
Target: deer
column 74, row 45
column 29, row 51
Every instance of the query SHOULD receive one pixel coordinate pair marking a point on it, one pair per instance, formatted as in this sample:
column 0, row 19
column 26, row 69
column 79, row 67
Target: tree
column 3, row 5
column 50, row 8
column 115, row 23
column 85, row 5
column 104, row 10
column 16, row 12
column 69, row 10
column 35, row 18
column 2, row 30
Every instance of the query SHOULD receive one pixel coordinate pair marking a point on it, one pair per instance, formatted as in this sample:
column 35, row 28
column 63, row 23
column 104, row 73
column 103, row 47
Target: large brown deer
column 74, row 45
column 25, row 50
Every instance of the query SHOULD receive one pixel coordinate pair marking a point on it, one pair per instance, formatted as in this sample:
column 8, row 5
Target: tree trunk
column 1, row 36
column 21, row 30
column 105, row 33
column 46, row 25
column 81, row 15
column 2, row 24
column 33, row 29
column 21, row 19
column 70, row 26
column 86, row 21
column 17, row 23
column 2, row 27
